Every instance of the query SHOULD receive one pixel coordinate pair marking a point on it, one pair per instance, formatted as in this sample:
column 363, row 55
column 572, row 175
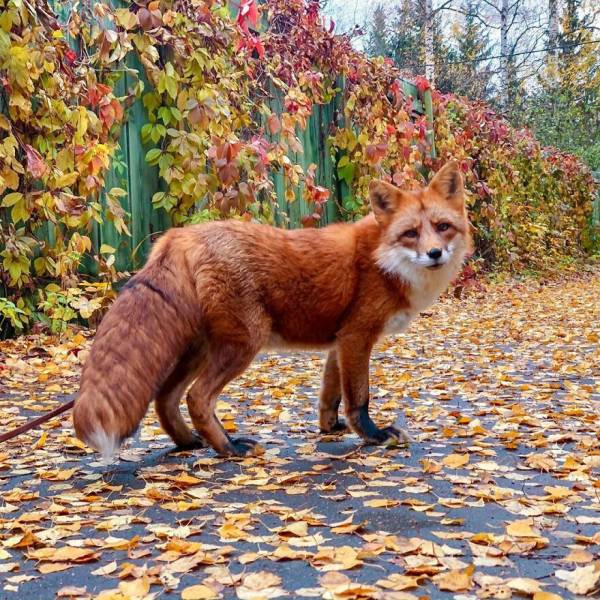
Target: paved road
column 521, row 407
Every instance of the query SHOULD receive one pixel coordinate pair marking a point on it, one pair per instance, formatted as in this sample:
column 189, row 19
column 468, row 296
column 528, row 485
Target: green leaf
column 164, row 113
column 145, row 132
column 106, row 249
column 39, row 264
column 117, row 192
column 171, row 85
column 11, row 199
column 347, row 173
column 19, row 212
column 152, row 156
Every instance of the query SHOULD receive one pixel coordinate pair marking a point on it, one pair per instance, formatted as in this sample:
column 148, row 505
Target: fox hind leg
column 331, row 397
column 227, row 361
column 168, row 399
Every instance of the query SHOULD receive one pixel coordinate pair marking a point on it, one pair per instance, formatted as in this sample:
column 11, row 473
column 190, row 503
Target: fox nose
column 434, row 253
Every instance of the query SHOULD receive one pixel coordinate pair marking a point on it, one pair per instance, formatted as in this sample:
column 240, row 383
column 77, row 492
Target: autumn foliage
column 211, row 74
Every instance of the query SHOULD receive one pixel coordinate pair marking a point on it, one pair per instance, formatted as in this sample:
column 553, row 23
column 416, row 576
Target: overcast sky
column 347, row 13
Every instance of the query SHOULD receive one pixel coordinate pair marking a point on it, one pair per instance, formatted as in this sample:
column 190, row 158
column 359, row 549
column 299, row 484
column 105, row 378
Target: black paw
column 388, row 435
column 340, row 426
column 242, row 446
column 196, row 442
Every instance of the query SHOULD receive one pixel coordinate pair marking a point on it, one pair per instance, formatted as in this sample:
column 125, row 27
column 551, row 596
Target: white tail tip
column 106, row 444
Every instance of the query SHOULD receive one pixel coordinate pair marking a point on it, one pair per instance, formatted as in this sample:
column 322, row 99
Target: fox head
column 423, row 230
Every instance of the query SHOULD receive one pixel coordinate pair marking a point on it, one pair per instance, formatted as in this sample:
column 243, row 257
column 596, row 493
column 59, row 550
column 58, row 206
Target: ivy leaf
column 11, row 199
column 125, row 18
column 273, row 124
column 35, row 163
column 153, row 156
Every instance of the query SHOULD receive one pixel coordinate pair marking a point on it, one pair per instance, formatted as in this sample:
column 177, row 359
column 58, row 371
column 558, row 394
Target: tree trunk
column 553, row 26
column 429, row 47
column 505, row 58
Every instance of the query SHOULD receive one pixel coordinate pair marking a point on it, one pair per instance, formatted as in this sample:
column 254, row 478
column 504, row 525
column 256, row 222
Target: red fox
column 212, row 296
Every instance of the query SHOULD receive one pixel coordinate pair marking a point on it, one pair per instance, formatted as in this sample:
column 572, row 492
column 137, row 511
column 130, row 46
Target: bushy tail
column 137, row 344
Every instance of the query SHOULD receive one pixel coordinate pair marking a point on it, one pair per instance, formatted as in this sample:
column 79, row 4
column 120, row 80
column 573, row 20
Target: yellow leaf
column 546, row 596
column 198, row 592
column 229, row 531
column 398, row 582
column 455, row 461
column 579, row 556
column 106, row 569
column 580, row 581
column 336, row 559
column 524, row 585
column 138, row 588
column 299, row 529
column 63, row 554
column 63, row 475
column 382, row 503
column 50, row 567
column 460, row 580
column 541, row 462
column 521, row 528
column 431, row 466
column 42, row 441
column 75, row 442
column 284, row 552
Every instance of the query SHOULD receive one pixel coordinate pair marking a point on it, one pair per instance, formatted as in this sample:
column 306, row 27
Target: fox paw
column 243, row 447
column 389, row 436
column 196, row 441
column 340, row 426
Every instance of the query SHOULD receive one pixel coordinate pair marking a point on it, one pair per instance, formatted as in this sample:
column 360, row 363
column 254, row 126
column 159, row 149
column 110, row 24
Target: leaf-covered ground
column 499, row 495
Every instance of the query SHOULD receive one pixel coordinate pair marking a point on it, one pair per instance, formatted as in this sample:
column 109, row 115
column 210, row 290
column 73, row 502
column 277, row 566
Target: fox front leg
column 331, row 397
column 353, row 360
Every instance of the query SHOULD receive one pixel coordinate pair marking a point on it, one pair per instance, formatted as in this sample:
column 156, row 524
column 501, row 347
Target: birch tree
column 430, row 14
column 521, row 30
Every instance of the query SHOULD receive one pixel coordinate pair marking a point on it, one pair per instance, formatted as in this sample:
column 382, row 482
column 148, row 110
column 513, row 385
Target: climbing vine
column 227, row 88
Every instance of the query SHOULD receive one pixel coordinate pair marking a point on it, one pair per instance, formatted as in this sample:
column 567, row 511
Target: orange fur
column 212, row 296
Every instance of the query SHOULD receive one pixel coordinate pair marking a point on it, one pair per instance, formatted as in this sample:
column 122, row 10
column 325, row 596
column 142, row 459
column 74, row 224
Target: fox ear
column 384, row 198
column 448, row 182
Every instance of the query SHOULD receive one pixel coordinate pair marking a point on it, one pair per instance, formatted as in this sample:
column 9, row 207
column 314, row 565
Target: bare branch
column 475, row 15
column 444, row 6
column 492, row 5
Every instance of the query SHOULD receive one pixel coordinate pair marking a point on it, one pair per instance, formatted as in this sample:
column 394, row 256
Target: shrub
column 219, row 144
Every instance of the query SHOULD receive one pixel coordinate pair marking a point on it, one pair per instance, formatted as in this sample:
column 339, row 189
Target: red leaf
column 70, row 56
column 273, row 124
column 375, row 152
column 320, row 194
column 422, row 84
column 248, row 14
column 258, row 46
column 107, row 115
column 309, row 220
column 35, row 163
column 96, row 93
column 149, row 19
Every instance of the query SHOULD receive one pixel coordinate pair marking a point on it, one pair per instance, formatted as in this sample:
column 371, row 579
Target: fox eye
column 443, row 226
column 411, row 233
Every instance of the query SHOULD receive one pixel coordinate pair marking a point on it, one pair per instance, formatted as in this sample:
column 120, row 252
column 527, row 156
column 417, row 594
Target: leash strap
column 37, row 422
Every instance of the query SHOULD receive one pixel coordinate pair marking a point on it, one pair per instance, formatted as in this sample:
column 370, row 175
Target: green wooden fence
column 596, row 205
column 141, row 181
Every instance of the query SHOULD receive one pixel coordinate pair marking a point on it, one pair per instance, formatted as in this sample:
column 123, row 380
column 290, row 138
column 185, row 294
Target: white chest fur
column 398, row 323
column 424, row 290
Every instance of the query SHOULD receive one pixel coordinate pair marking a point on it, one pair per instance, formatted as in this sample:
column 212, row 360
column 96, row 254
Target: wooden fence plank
column 142, row 181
